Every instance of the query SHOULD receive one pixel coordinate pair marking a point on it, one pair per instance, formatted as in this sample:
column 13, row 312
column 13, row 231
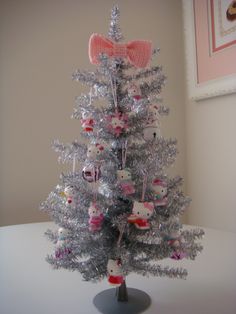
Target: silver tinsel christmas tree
column 117, row 210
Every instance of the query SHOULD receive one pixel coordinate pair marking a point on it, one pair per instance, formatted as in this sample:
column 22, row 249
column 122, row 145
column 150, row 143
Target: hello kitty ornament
column 70, row 193
column 114, row 270
column 142, row 211
column 95, row 217
column 62, row 248
column 134, row 92
column 117, row 123
column 125, row 181
column 87, row 122
column 94, row 150
column 160, row 188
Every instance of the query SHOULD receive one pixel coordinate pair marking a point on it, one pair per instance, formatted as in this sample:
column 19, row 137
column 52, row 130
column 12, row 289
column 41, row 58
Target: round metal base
column 106, row 302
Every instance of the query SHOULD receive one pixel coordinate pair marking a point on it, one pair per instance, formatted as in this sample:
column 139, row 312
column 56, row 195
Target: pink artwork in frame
column 211, row 65
column 210, row 45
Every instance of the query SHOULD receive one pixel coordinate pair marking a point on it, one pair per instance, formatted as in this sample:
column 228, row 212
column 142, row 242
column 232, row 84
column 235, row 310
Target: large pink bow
column 138, row 52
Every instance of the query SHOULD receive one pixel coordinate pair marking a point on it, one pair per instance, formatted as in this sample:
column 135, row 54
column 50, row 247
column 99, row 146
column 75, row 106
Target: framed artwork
column 210, row 44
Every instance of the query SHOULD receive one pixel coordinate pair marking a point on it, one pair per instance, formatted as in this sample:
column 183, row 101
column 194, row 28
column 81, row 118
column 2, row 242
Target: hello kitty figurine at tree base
column 87, row 122
column 114, row 270
column 160, row 188
column 141, row 212
column 125, row 182
column 96, row 217
column 62, row 248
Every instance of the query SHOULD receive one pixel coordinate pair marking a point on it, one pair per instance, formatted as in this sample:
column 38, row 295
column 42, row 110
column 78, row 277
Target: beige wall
column 41, row 43
column 211, row 162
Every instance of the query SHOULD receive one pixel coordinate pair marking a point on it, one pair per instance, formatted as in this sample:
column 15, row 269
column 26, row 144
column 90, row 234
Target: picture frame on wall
column 210, row 45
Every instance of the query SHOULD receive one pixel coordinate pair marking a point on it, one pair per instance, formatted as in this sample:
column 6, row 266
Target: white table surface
column 28, row 284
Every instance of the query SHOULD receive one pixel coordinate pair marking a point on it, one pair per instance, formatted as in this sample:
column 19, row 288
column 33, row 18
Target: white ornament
column 94, row 150
column 123, row 175
column 70, row 193
column 134, row 91
column 151, row 133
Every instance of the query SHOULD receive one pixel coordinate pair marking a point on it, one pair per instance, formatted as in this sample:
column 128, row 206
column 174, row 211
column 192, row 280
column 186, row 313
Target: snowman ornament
column 62, row 248
column 70, row 193
column 125, row 182
column 95, row 217
column 160, row 189
column 141, row 212
column 114, row 269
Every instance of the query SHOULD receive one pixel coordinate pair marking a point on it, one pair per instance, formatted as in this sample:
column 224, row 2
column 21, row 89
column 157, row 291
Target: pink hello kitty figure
column 125, row 181
column 134, row 91
column 94, row 150
column 160, row 189
column 62, row 247
column 96, row 217
column 70, row 193
column 114, row 270
column 87, row 122
column 140, row 214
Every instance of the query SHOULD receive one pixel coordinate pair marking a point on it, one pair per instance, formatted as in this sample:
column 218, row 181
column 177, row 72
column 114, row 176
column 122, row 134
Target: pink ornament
column 95, row 217
column 137, row 52
column 117, row 123
column 160, row 188
column 177, row 255
column 142, row 211
column 114, row 269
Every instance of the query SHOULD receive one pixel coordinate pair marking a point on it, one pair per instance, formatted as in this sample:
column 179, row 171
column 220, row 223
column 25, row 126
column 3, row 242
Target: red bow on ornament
column 138, row 52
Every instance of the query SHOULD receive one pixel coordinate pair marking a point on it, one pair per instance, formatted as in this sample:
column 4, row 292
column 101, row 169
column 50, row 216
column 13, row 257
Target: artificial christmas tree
column 117, row 211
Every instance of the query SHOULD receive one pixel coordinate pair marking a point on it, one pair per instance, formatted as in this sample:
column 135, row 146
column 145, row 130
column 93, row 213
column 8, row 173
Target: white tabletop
column 28, row 285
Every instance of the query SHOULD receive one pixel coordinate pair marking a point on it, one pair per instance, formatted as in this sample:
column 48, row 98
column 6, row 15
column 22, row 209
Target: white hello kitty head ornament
column 94, row 150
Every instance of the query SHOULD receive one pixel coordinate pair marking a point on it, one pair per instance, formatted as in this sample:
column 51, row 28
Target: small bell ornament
column 141, row 212
column 94, row 150
column 91, row 173
column 160, row 189
column 70, row 193
column 114, row 270
column 96, row 217
column 62, row 247
column 134, row 92
column 87, row 122
column 125, row 181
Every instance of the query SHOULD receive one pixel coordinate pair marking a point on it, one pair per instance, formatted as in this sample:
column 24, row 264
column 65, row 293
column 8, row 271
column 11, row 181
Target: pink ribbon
column 138, row 52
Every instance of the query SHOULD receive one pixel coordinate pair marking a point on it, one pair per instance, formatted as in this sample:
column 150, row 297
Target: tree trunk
column 121, row 293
